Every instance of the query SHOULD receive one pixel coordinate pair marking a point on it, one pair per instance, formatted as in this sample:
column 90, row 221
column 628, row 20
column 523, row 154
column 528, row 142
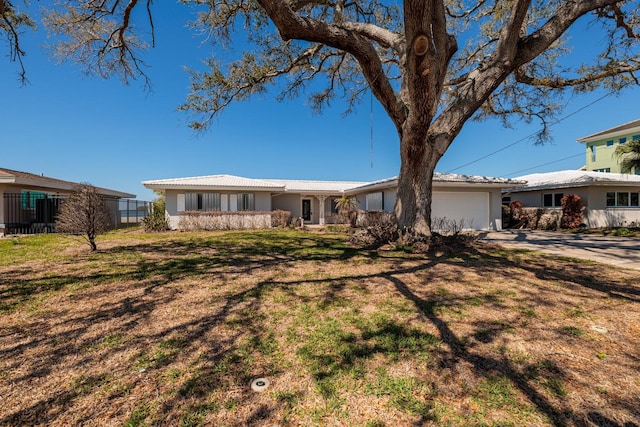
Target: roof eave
column 159, row 186
column 605, row 134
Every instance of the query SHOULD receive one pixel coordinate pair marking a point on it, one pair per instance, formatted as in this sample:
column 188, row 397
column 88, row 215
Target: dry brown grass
column 170, row 329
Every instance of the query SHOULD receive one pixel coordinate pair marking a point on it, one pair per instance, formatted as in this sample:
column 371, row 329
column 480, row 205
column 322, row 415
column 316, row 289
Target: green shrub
column 157, row 219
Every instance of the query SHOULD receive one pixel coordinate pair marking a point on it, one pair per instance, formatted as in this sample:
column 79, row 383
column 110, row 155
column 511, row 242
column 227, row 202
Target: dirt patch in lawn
column 171, row 329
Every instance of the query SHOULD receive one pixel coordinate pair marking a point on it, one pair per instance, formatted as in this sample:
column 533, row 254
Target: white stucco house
column 610, row 199
column 473, row 199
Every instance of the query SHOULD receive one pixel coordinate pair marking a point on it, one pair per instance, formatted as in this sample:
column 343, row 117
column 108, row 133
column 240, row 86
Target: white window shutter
column 181, row 203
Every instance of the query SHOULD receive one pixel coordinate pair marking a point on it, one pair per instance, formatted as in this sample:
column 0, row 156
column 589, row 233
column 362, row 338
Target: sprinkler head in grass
column 260, row 384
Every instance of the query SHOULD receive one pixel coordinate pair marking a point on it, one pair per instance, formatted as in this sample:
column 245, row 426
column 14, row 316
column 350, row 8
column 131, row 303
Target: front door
column 306, row 209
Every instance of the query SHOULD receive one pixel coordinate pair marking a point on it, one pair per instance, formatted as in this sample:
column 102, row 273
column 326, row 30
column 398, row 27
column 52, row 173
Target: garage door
column 470, row 207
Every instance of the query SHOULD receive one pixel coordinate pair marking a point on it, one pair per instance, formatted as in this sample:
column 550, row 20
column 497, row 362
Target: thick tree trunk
column 415, row 184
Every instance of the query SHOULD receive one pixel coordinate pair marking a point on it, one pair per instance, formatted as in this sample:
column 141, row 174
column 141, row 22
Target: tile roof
column 317, row 186
column 214, row 182
column 230, row 182
column 441, row 178
column 576, row 178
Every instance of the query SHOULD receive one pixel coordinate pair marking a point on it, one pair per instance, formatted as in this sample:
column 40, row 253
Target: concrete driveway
column 619, row 251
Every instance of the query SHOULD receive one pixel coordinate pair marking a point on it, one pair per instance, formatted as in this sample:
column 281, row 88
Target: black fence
column 32, row 213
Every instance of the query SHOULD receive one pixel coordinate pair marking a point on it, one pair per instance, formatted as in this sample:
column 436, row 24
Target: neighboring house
column 601, row 147
column 610, row 199
column 474, row 200
column 29, row 202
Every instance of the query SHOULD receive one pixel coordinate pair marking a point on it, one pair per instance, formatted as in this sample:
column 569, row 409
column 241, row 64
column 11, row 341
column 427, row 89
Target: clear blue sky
column 85, row 129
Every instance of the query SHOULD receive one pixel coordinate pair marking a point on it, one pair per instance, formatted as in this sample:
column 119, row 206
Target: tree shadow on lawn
column 178, row 260
column 218, row 360
column 226, row 363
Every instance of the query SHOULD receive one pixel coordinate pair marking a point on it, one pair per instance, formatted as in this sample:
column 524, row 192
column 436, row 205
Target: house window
column 552, row 200
column 605, row 170
column 623, row 140
column 202, row 201
column 623, row 199
column 611, row 198
column 593, row 153
column 375, row 201
column 610, row 143
column 245, row 202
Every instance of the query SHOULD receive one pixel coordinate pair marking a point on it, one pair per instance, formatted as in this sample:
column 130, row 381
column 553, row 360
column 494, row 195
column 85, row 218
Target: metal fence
column 35, row 212
column 132, row 212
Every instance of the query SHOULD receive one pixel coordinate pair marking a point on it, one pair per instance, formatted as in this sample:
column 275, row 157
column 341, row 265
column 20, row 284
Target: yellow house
column 601, row 147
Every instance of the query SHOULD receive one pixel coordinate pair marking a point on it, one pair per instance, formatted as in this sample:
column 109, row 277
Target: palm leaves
column 629, row 155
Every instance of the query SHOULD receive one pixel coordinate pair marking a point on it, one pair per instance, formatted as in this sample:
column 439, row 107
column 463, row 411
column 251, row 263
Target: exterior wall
column 599, row 214
column 175, row 199
column 596, row 213
column 171, row 207
column 262, row 202
column 265, row 201
column 288, row 202
column 388, row 194
column 493, row 202
column 495, row 209
column 534, row 199
column 604, row 150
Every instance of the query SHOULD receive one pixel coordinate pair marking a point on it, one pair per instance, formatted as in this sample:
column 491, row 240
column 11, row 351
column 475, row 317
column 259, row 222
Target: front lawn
column 171, row 329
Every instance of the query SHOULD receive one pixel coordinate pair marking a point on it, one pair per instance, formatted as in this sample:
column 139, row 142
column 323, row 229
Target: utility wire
column 560, row 120
column 545, row 164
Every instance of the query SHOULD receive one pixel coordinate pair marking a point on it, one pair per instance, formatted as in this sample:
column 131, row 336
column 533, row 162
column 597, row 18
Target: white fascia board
column 605, row 134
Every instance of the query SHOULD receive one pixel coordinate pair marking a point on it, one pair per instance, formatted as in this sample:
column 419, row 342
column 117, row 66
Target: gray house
column 610, row 199
column 474, row 200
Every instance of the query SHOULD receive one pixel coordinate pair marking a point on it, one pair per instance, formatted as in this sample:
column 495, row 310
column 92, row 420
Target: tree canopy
column 432, row 65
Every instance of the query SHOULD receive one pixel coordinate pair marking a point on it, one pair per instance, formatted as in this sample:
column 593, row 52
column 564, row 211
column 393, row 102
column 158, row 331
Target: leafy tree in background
column 432, row 64
column 84, row 213
column 629, row 155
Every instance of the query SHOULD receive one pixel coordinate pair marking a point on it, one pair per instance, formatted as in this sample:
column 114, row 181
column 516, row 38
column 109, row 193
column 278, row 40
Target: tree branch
column 558, row 82
column 292, row 26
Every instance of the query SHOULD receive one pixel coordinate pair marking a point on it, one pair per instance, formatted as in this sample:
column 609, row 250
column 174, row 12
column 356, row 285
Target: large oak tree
column 432, row 64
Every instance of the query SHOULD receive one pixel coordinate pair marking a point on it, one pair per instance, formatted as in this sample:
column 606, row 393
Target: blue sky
column 70, row 126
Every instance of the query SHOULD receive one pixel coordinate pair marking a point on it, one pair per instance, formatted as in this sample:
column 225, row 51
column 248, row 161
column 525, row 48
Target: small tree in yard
column 84, row 213
column 571, row 211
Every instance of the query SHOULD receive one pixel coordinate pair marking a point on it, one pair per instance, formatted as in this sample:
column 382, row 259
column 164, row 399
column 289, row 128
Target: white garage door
column 470, row 207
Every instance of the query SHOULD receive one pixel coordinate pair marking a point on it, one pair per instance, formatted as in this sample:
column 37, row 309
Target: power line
column 560, row 120
column 545, row 164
